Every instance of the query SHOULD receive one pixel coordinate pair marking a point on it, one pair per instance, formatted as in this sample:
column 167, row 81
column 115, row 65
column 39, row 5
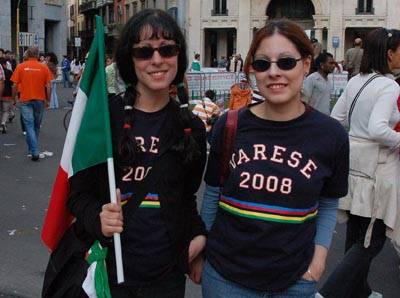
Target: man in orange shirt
column 33, row 79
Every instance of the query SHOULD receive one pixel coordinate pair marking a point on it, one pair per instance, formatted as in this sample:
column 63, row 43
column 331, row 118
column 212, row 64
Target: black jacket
column 175, row 184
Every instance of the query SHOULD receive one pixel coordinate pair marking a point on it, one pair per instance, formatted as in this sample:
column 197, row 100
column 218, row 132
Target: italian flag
column 88, row 143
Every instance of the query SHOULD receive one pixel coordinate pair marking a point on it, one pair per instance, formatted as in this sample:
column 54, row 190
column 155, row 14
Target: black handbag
column 67, row 267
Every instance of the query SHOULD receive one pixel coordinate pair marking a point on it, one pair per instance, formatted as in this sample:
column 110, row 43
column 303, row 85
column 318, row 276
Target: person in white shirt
column 316, row 87
column 371, row 205
column 76, row 70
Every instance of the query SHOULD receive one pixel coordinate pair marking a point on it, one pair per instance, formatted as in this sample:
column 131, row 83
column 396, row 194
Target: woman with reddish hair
column 271, row 222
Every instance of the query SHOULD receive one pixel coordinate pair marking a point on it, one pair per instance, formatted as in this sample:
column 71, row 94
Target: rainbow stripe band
column 149, row 204
column 150, row 201
column 267, row 212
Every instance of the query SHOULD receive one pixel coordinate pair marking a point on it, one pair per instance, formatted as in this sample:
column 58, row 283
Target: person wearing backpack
column 272, row 217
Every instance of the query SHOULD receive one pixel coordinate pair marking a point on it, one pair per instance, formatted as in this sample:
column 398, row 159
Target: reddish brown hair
column 287, row 28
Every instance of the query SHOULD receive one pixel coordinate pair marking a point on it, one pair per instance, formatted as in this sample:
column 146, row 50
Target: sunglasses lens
column 143, row 52
column 261, row 65
column 168, row 51
column 287, row 63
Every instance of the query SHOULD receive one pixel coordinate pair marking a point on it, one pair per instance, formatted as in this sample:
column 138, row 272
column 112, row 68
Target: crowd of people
column 280, row 169
column 32, row 86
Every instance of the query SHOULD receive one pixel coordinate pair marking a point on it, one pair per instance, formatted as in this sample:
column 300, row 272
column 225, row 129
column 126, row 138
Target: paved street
column 25, row 188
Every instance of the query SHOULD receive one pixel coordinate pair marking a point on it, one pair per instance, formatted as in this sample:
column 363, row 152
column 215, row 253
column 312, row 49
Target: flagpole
column 117, row 237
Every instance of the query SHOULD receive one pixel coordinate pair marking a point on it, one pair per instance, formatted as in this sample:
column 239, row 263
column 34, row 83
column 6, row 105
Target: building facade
column 216, row 28
column 115, row 14
column 46, row 18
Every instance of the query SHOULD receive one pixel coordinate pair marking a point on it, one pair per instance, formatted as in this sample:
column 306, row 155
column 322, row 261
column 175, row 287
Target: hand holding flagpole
column 88, row 143
column 117, row 237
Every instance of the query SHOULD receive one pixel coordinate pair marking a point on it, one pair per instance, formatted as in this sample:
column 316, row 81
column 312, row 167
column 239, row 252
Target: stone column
column 318, row 35
column 5, row 22
column 336, row 28
column 243, row 34
column 194, row 35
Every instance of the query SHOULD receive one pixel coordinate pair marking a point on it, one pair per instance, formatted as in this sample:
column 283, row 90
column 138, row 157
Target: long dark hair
column 287, row 28
column 159, row 24
column 53, row 58
column 378, row 43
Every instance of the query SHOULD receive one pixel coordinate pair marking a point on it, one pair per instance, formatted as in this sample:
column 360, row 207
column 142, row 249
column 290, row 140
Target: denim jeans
column 215, row 286
column 5, row 109
column 66, row 81
column 350, row 277
column 54, row 97
column 173, row 286
column 32, row 114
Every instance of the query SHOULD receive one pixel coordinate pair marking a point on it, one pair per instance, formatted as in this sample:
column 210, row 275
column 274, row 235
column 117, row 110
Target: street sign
column 335, row 41
column 77, row 41
column 27, row 39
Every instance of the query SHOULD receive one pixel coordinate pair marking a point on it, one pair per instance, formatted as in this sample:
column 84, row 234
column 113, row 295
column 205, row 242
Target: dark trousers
column 172, row 286
column 350, row 277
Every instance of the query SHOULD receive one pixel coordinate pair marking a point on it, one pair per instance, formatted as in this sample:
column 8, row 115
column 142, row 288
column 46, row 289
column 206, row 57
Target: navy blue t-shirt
column 146, row 244
column 263, row 234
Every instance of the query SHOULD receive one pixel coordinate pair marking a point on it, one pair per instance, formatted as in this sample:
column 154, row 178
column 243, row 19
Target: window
column 119, row 14
column 219, row 8
column 128, row 11
column 111, row 15
column 72, row 11
column 134, row 8
column 292, row 9
column 154, row 3
column 364, row 7
column 71, row 32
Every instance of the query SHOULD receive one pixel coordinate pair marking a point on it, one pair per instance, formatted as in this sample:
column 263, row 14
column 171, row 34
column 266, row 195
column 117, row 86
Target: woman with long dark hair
column 160, row 152
column 272, row 220
column 368, row 106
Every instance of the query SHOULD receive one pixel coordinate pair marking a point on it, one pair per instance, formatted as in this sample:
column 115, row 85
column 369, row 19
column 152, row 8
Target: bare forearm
column 14, row 93
column 317, row 265
column 48, row 93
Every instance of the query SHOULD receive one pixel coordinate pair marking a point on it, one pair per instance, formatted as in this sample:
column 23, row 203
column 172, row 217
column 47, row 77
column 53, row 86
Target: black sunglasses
column 166, row 51
column 286, row 63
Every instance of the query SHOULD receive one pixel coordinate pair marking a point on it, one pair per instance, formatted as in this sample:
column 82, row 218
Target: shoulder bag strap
column 229, row 136
column 358, row 94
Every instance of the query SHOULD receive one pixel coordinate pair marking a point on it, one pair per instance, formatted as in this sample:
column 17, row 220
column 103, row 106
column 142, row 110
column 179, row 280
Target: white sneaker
column 41, row 155
column 318, row 295
column 48, row 153
column 375, row 295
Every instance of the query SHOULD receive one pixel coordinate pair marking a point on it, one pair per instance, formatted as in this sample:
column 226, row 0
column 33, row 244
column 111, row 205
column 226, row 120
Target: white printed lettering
column 154, row 144
column 259, row 149
column 272, row 183
column 286, row 186
column 242, row 157
column 140, row 141
column 308, row 169
column 258, row 181
column 246, row 179
column 277, row 156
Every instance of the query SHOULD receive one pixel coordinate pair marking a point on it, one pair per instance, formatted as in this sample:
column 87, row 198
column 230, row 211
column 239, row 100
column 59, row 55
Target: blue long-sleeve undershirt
column 325, row 222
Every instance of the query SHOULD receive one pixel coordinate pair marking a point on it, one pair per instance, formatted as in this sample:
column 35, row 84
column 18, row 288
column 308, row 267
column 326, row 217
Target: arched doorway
column 300, row 11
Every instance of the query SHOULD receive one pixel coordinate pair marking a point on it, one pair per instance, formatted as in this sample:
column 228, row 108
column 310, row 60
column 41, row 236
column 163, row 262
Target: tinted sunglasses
column 166, row 51
column 286, row 63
